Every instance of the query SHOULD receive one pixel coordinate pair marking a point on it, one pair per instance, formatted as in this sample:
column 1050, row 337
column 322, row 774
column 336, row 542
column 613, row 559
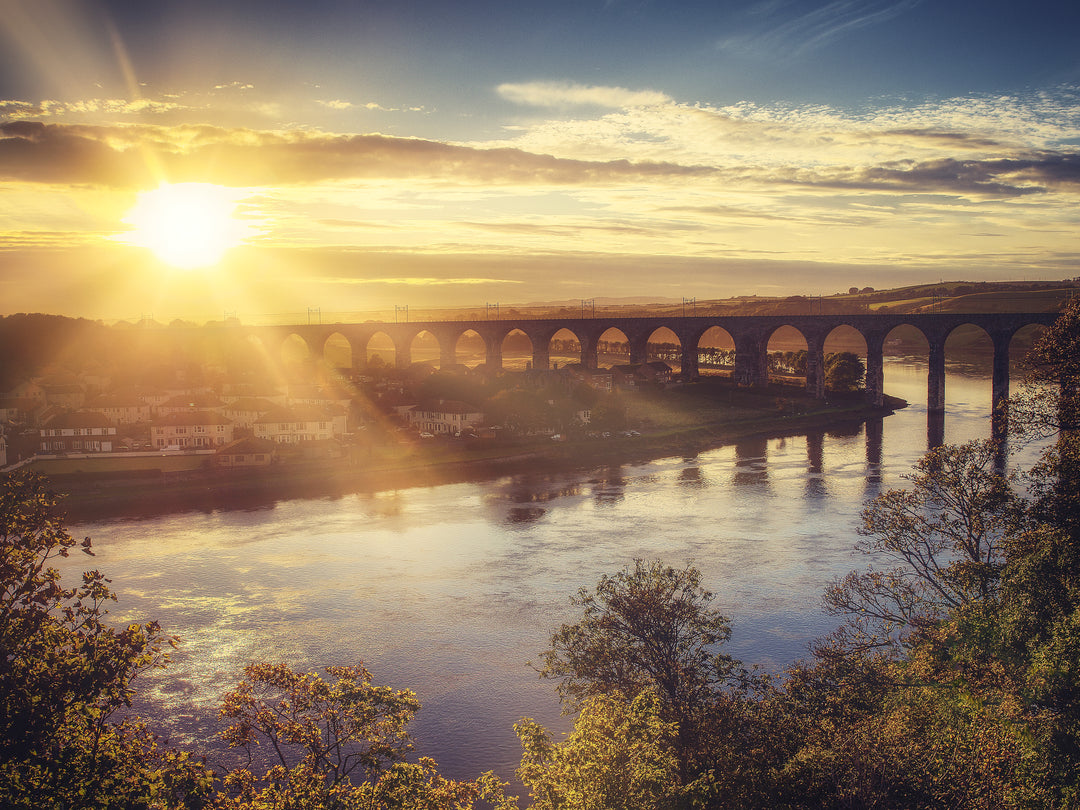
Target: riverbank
column 684, row 423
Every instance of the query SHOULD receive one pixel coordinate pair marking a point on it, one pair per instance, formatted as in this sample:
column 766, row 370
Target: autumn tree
column 619, row 756
column 334, row 744
column 65, row 672
column 941, row 540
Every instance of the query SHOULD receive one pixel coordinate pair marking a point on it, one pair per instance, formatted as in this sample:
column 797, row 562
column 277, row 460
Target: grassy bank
column 681, row 421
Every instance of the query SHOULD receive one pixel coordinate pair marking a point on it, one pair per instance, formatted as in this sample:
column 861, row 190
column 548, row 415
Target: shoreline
column 90, row 497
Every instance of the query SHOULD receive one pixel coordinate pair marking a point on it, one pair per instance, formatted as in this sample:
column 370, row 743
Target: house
column 319, row 396
column 600, row 379
column 445, row 416
column 655, row 371
column 189, row 403
column 120, row 409
column 66, row 395
column 631, row 376
column 245, row 410
column 196, row 429
column 77, row 432
column 27, row 390
column 301, row 424
column 247, row 452
column 624, row 376
column 21, row 411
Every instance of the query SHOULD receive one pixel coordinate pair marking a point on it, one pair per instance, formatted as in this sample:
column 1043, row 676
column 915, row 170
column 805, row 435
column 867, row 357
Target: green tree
column 334, row 745
column 64, row 672
column 844, row 371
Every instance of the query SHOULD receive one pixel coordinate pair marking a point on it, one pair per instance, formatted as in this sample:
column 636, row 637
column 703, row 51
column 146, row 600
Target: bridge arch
column 422, row 346
column 294, row 349
column 512, row 346
column 338, row 351
column 615, row 346
column 790, row 352
column 472, row 345
column 379, row 350
column 712, row 348
column 562, row 341
column 663, row 344
column 845, row 338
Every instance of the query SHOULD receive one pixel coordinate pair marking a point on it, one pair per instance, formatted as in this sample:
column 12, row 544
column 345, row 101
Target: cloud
column 342, row 105
column 13, row 110
column 811, row 30
column 566, row 94
column 1010, row 177
column 117, row 156
column 414, row 281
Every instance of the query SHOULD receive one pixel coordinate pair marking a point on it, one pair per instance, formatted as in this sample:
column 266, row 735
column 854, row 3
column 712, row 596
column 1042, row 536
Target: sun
column 187, row 225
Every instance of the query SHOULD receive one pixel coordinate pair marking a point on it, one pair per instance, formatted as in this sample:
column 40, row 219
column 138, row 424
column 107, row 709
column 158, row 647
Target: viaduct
column 750, row 335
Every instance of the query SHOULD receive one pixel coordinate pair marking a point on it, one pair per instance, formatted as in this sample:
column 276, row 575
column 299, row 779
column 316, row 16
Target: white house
column 77, row 432
column 202, row 429
column 445, row 416
column 119, row 409
column 300, row 424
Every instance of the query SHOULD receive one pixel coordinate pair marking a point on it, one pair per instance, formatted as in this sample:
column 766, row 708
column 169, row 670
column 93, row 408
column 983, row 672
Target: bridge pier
column 541, row 360
column 935, row 381
column 875, row 370
column 494, row 357
column 447, row 356
column 815, row 367
column 588, row 351
column 403, row 351
column 751, row 361
column 689, row 362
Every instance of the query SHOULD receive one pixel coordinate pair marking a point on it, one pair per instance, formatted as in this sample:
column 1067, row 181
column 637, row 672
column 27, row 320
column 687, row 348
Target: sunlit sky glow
column 434, row 154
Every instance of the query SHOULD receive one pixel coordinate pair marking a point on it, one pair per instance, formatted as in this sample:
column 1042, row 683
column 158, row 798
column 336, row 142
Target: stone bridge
column 750, row 335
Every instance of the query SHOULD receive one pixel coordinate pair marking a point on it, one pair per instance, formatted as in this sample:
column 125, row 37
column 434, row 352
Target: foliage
column 844, row 371
column 334, row 744
column 64, row 672
column 1051, row 399
column 943, row 538
column 650, row 626
column 620, row 756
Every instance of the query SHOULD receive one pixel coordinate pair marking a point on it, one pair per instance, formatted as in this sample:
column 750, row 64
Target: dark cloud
column 137, row 156
column 1005, row 177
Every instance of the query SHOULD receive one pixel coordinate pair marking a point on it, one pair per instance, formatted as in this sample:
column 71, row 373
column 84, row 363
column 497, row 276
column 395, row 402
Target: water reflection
column 692, row 478
column 815, row 456
column 875, row 432
column 751, row 462
column 611, row 488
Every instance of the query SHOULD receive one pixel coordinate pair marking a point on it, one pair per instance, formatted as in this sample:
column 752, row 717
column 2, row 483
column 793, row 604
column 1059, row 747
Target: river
column 451, row 590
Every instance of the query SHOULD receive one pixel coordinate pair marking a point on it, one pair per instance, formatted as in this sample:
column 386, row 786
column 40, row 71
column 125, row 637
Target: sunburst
column 188, row 225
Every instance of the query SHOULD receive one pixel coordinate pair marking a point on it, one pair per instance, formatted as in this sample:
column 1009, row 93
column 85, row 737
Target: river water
column 452, row 590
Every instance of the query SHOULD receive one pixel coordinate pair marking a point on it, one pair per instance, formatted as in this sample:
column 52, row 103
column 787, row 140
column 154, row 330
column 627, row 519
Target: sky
column 267, row 160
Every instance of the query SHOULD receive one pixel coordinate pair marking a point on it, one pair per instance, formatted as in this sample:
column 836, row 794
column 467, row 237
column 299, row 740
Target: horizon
column 192, row 159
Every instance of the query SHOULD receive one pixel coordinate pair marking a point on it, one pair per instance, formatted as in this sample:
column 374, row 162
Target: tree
column 620, row 756
column 649, row 627
column 334, row 744
column 1051, row 396
column 944, row 538
column 64, row 672
column 844, row 371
